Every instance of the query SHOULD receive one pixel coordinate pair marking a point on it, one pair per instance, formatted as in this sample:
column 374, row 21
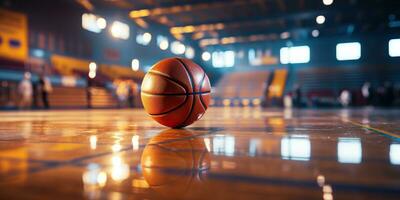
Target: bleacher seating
column 241, row 87
column 68, row 97
column 59, row 67
column 101, row 98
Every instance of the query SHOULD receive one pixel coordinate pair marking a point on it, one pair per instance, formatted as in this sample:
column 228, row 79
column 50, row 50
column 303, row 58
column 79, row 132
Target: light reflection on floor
column 233, row 153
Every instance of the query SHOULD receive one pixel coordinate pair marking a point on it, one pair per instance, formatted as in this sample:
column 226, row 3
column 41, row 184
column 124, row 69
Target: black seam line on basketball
column 169, row 78
column 175, row 94
column 173, row 109
column 192, row 82
column 201, row 97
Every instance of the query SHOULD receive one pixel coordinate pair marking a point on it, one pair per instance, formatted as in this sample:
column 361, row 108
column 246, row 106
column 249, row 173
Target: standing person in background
column 122, row 91
column 133, row 92
column 89, row 85
column 131, row 95
column 297, row 94
column 45, row 89
column 26, row 91
column 366, row 93
column 345, row 98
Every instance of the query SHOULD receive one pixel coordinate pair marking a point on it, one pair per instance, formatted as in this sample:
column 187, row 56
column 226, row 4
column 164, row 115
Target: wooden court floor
column 232, row 153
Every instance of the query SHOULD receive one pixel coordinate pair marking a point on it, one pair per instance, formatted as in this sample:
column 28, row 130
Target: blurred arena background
column 282, row 53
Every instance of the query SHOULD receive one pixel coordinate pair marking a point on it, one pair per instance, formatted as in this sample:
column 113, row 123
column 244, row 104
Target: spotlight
column 146, row 38
column 320, row 19
column 206, row 56
column 135, row 64
column 315, row 33
column 164, row 45
column 92, row 66
column 119, row 30
column 101, row 23
column 327, row 2
column 92, row 74
column 189, row 53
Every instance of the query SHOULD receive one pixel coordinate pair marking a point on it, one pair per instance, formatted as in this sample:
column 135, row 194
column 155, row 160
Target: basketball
column 174, row 162
column 175, row 92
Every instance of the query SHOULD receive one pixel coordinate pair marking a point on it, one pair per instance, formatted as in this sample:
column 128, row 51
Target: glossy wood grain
column 232, row 153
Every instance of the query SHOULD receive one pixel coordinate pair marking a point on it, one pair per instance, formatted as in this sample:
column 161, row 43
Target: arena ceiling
column 247, row 20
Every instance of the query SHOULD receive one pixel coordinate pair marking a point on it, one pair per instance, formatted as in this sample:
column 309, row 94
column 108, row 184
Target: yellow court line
column 375, row 129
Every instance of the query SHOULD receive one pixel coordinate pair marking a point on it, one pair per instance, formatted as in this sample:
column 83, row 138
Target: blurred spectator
column 367, row 93
column 345, row 98
column 297, row 95
column 25, row 91
column 133, row 89
column 89, row 84
column 130, row 97
column 122, row 92
column 45, row 89
column 287, row 101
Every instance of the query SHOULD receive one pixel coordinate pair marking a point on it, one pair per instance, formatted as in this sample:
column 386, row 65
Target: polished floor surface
column 232, row 153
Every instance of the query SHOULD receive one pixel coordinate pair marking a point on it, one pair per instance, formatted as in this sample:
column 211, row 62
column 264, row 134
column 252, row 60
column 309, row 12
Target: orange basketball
column 175, row 92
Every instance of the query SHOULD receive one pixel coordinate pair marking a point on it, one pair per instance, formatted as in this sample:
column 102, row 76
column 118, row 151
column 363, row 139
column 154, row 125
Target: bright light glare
column 38, row 53
column 101, row 23
column 143, row 38
column 135, row 64
column 177, row 47
column 296, row 148
column 93, row 22
column 224, row 145
column 394, row 47
column 299, row 54
column 93, row 142
column 164, row 45
column 135, row 142
column 146, row 38
column 320, row 19
column 348, row 51
column 229, row 58
column 218, row 59
column 189, row 53
column 119, row 30
column 315, row 33
column 92, row 74
column 327, row 2
column 119, row 170
column 349, row 150
column 93, row 176
column 92, row 66
column 223, row 59
column 162, row 42
column 206, row 56
column 395, row 154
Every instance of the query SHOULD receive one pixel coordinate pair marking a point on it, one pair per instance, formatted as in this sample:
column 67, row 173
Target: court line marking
column 376, row 130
